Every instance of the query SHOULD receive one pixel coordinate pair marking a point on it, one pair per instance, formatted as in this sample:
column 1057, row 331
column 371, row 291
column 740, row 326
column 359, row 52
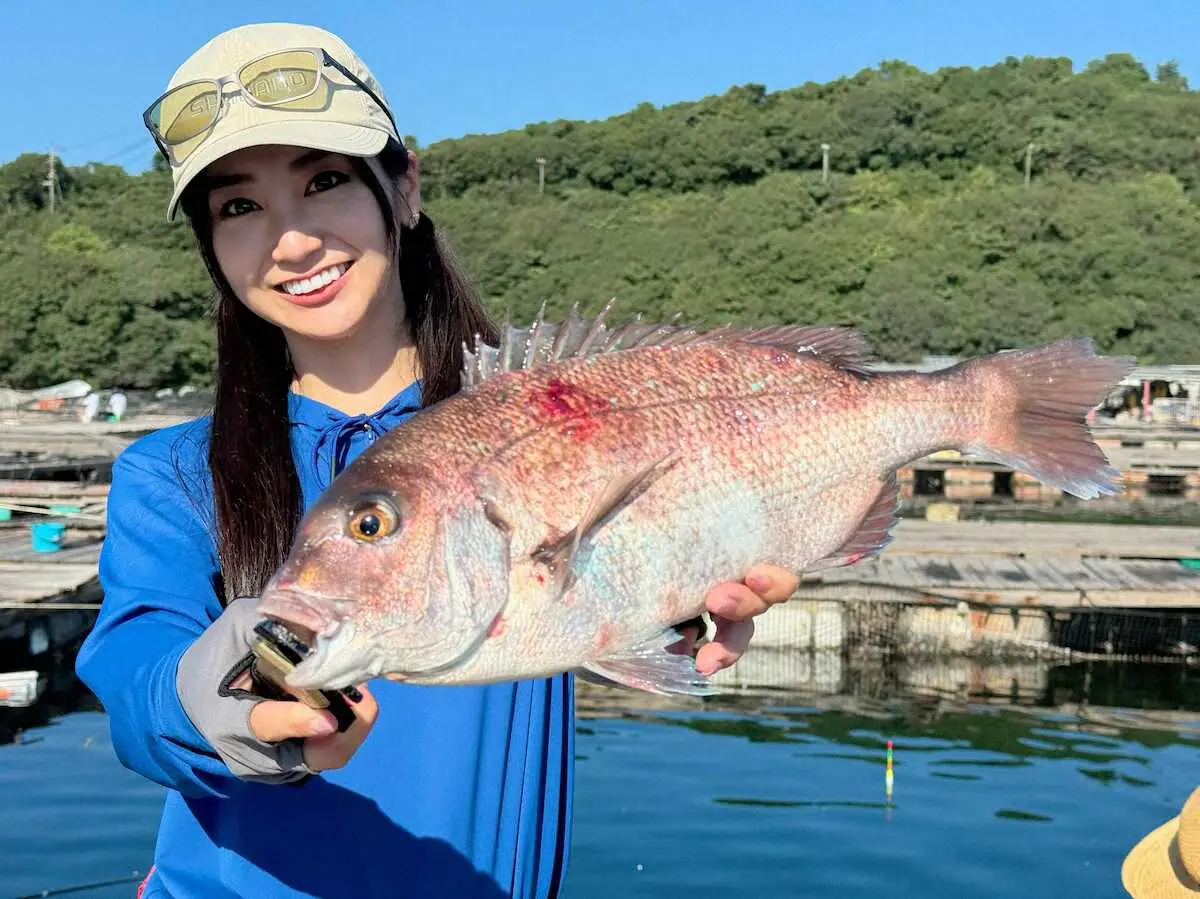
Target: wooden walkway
column 1025, row 564
column 65, row 579
column 915, row 536
column 45, row 445
column 1058, row 583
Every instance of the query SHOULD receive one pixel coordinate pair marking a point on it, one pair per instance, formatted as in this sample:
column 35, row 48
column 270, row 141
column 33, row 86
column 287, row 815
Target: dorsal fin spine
column 542, row 342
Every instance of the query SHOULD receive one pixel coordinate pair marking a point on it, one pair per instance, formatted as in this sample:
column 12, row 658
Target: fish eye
column 373, row 520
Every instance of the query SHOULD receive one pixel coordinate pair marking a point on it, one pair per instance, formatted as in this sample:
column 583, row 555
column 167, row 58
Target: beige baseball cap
column 338, row 116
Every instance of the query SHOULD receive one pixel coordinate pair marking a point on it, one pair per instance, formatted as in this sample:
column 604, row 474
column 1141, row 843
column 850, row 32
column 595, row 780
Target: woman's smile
column 317, row 288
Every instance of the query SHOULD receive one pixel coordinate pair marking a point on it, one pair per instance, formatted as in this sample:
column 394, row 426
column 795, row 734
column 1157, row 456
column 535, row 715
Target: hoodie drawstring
column 341, row 433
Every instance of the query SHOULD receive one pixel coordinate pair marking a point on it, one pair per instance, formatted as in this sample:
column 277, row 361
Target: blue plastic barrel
column 47, row 536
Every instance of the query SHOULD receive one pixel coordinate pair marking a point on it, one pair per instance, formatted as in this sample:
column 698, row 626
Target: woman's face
column 301, row 240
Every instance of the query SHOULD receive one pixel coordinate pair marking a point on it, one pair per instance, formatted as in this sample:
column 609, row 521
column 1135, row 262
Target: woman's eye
column 235, row 207
column 325, row 180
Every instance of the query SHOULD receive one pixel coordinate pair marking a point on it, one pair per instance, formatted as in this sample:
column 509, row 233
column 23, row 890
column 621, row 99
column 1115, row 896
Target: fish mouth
column 306, row 616
column 336, row 660
column 339, row 657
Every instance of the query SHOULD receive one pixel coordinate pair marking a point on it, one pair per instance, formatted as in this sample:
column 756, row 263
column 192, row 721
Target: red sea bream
column 589, row 484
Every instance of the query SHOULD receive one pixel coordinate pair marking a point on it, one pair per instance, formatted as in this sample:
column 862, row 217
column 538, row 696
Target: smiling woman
column 340, row 313
column 295, row 229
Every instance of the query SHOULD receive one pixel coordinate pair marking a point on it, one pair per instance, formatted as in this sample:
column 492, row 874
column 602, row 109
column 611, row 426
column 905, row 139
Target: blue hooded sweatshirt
column 457, row 791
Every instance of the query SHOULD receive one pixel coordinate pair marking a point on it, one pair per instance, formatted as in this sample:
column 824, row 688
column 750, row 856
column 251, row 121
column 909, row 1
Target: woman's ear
column 409, row 186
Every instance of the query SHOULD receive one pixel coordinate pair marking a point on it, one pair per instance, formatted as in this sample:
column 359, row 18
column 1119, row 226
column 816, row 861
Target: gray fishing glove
column 214, row 678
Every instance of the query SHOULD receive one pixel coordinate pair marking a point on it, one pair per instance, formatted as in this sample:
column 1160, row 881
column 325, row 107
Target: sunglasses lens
column 291, row 80
column 185, row 113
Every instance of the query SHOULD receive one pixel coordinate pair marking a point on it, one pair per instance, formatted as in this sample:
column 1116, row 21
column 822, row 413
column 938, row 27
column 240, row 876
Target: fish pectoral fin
column 874, row 531
column 558, row 553
column 652, row 668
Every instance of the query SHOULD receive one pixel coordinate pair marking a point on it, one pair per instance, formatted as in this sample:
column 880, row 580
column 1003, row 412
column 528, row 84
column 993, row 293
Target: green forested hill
column 925, row 233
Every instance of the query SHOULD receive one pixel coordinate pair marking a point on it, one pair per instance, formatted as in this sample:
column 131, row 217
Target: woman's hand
column 733, row 605
column 272, row 721
column 259, row 737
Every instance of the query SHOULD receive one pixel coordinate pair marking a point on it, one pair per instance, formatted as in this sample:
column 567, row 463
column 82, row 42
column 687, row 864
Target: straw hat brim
column 1154, row 870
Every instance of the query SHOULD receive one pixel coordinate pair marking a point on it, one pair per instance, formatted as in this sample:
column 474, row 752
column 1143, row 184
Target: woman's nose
column 295, row 244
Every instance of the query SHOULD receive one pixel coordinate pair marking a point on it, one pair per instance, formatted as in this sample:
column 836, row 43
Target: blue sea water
column 761, row 794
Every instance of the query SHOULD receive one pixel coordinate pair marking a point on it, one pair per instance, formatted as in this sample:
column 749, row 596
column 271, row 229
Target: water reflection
column 1025, row 778
column 1094, row 712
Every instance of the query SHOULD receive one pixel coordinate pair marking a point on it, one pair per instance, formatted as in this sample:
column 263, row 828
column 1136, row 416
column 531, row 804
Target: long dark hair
column 256, row 490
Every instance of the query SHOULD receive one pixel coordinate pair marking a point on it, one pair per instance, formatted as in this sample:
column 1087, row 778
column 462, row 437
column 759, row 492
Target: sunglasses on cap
column 285, row 79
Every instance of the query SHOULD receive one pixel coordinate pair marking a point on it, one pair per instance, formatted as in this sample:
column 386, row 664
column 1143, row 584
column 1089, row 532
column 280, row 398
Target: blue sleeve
column 157, row 570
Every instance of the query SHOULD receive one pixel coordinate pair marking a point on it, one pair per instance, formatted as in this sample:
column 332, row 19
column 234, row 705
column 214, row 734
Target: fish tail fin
column 1039, row 399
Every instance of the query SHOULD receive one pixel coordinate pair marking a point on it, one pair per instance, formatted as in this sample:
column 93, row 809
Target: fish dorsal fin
column 544, row 342
column 873, row 533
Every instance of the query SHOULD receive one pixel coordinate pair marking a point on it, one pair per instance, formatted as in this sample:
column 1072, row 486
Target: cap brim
column 336, row 137
column 1153, row 869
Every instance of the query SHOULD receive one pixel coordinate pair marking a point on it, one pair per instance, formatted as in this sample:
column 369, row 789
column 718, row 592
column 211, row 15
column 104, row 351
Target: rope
column 63, row 891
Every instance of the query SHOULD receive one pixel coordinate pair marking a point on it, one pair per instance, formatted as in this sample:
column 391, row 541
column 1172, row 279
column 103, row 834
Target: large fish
column 589, row 484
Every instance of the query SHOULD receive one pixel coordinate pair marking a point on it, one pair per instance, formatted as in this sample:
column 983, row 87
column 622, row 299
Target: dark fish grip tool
column 276, row 652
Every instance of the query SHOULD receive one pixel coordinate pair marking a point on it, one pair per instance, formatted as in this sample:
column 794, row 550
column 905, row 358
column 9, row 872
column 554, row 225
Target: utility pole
column 51, row 182
column 541, row 163
column 1028, row 164
column 824, row 163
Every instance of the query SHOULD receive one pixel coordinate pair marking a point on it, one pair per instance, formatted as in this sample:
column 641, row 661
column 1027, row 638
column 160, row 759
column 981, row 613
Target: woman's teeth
column 317, row 281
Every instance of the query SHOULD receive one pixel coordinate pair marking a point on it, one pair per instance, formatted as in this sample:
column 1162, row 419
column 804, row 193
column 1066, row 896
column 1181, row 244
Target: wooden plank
column 1117, row 574
column 1147, row 575
column 1063, row 582
column 13, row 489
column 16, row 546
column 1045, row 574
column 1043, row 539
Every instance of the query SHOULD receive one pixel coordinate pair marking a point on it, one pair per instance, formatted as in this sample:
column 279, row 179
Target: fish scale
column 588, row 485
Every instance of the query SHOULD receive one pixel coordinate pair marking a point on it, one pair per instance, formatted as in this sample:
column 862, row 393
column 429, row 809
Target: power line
column 140, row 143
column 94, row 144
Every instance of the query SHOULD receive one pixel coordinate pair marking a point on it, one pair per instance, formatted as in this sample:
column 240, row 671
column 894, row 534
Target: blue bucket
column 47, row 536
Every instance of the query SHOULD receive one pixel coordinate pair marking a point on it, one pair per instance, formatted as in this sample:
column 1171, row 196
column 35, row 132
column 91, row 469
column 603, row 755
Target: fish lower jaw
column 336, row 660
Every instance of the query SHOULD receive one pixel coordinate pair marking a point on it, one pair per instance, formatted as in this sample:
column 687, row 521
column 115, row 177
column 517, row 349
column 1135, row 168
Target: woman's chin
column 324, row 332
column 333, row 321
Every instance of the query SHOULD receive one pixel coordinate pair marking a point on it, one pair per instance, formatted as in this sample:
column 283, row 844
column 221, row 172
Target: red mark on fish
column 558, row 400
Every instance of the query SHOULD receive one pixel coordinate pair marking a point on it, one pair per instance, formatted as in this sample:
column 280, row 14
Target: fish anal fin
column 874, row 531
column 652, row 668
column 557, row 553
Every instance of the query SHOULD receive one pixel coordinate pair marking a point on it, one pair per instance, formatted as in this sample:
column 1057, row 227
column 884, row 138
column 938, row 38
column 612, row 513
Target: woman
column 340, row 314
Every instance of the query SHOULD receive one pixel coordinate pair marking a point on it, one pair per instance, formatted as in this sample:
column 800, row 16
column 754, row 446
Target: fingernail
column 322, row 727
column 724, row 605
column 759, row 583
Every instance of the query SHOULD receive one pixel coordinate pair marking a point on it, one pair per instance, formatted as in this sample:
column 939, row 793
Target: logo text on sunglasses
column 269, row 87
column 280, row 84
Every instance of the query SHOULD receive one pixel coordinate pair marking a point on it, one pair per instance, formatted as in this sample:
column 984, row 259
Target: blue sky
column 81, row 72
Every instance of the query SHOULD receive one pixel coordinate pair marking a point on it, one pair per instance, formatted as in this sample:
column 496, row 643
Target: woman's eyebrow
column 216, row 182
